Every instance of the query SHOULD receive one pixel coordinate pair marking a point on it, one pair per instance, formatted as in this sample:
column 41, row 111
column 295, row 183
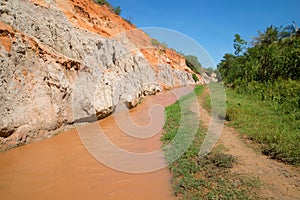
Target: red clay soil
column 87, row 15
column 6, row 36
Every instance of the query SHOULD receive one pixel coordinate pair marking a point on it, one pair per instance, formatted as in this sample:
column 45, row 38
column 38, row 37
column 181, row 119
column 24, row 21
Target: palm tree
column 296, row 29
column 291, row 31
column 272, row 34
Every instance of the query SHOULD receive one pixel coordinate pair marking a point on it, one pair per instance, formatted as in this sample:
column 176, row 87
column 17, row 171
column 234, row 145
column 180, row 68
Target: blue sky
column 210, row 23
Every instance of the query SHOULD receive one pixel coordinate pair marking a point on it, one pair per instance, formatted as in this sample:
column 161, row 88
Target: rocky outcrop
column 61, row 62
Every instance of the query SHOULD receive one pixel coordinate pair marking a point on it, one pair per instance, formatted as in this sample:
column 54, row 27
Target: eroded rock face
column 53, row 73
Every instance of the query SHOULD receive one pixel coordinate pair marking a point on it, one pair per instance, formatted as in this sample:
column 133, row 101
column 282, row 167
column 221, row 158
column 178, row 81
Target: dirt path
column 279, row 181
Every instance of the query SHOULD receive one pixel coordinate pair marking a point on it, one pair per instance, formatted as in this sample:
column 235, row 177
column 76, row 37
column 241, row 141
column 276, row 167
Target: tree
column 291, row 31
column 209, row 70
column 193, row 63
column 272, row 34
column 274, row 56
column 238, row 44
column 117, row 10
column 227, row 68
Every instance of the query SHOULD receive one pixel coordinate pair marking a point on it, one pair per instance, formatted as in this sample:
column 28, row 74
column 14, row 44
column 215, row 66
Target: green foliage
column 164, row 45
column 202, row 178
column 275, row 54
column 267, row 124
column 193, row 63
column 117, row 10
column 102, row 2
column 239, row 44
column 129, row 20
column 270, row 68
column 271, row 35
column 198, row 90
column 283, row 94
column 209, row 70
column 195, row 77
column 160, row 45
column 221, row 160
column 155, row 42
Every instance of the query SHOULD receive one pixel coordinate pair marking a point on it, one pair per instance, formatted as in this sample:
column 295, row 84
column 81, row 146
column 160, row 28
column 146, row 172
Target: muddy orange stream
column 62, row 168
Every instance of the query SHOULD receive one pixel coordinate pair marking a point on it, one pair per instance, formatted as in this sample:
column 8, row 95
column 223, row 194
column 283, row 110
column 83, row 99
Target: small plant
column 161, row 46
column 129, row 20
column 164, row 45
column 102, row 2
column 155, row 42
column 117, row 10
column 221, row 160
column 193, row 63
column 195, row 77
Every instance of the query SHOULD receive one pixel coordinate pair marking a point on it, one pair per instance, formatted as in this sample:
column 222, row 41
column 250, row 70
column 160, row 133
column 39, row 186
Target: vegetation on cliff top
column 193, row 63
column 117, row 10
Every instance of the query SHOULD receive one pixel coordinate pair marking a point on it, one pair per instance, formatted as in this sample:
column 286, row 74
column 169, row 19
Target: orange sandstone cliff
column 69, row 61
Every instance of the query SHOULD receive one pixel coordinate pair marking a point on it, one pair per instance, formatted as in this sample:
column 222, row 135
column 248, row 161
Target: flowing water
column 62, row 168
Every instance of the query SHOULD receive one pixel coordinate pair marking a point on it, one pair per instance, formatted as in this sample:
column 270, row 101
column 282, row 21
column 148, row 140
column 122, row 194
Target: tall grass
column 266, row 123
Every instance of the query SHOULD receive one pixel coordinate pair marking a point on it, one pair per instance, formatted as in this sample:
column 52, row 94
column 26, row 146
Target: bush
column 129, row 20
column 193, row 63
column 284, row 94
column 155, row 42
column 161, row 45
column 273, row 55
column 102, row 2
column 195, row 77
column 117, row 10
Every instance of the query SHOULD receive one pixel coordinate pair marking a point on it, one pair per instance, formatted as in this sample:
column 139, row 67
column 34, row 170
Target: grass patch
column 276, row 132
column 200, row 178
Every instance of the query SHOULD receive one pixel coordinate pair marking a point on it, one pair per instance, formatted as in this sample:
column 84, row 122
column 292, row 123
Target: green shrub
column 117, row 10
column 102, row 2
column 129, row 20
column 195, row 77
column 155, row 42
column 161, row 45
column 221, row 160
column 193, row 63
